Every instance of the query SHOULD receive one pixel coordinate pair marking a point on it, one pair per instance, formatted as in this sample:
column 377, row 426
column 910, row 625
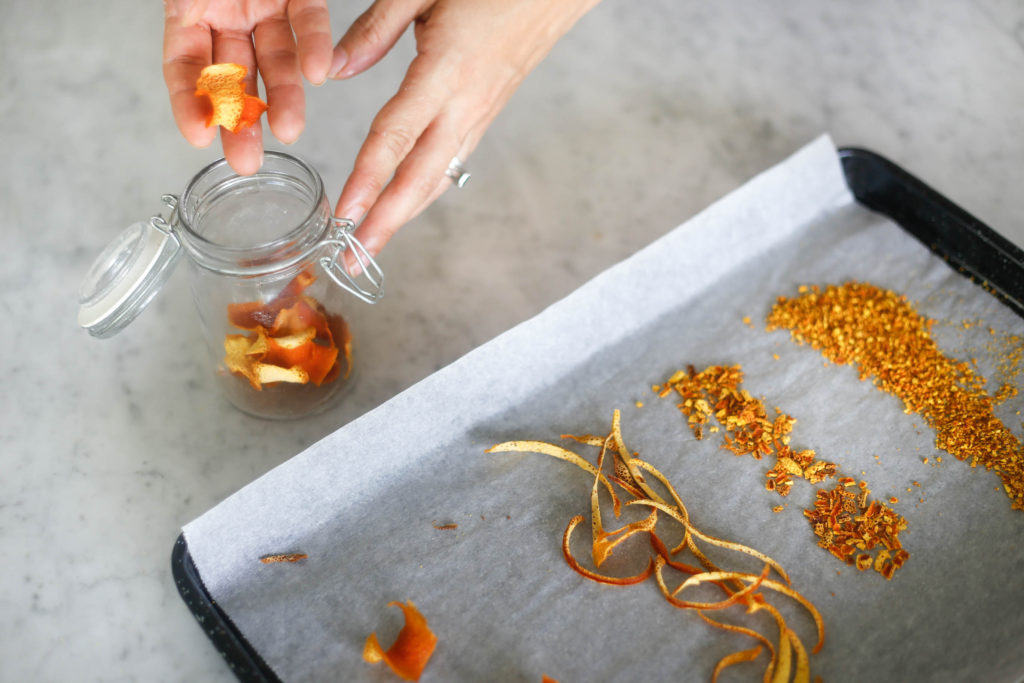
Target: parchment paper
column 363, row 502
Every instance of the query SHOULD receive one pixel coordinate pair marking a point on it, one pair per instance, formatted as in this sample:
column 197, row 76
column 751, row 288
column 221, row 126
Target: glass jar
column 268, row 277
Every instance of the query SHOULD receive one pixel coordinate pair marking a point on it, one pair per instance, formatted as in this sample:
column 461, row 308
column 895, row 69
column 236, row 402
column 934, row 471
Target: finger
column 244, row 149
column 372, row 35
column 416, row 181
column 394, row 133
column 187, row 49
column 312, row 25
column 191, row 11
column 279, row 68
column 447, row 183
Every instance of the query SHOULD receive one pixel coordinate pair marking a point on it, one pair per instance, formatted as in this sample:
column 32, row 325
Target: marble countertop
column 643, row 115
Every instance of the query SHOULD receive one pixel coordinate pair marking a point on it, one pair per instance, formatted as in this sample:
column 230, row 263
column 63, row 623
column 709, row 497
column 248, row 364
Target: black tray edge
column 967, row 244
column 240, row 656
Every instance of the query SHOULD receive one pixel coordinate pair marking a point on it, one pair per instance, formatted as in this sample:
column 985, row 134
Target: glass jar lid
column 138, row 262
column 126, row 276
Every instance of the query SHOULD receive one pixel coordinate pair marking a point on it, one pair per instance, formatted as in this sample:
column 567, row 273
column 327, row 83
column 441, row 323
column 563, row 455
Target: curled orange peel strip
column 735, row 658
column 231, row 106
column 594, row 576
column 729, row 545
column 587, row 439
column 783, row 628
column 740, row 587
column 718, row 576
column 736, row 597
column 596, row 526
column 747, row 632
column 783, row 665
column 605, row 543
column 411, row 651
column 688, row 541
column 662, row 551
column 803, row 663
column 554, row 451
column 626, row 459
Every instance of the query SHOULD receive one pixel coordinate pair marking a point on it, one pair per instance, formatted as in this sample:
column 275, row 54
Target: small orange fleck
column 286, row 557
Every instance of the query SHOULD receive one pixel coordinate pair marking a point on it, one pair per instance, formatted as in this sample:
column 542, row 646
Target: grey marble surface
column 643, row 115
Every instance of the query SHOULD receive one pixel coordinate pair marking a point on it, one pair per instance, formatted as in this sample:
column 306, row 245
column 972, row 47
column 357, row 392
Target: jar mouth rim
column 220, row 255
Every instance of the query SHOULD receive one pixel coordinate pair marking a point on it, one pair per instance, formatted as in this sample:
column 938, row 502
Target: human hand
column 274, row 38
column 471, row 56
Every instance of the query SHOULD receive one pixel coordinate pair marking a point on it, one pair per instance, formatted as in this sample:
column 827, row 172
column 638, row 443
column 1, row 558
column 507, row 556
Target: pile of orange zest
column 851, row 528
column 291, row 339
column 716, row 392
column 888, row 341
column 411, row 651
column 740, row 589
column 231, row 107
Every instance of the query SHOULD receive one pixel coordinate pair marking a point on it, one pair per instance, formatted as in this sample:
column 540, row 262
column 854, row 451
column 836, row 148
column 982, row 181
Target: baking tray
column 965, row 243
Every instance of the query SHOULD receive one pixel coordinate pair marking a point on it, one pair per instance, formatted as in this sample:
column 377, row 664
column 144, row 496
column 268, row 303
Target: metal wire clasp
column 342, row 240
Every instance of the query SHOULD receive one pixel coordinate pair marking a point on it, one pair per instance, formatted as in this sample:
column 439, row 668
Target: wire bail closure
column 343, row 240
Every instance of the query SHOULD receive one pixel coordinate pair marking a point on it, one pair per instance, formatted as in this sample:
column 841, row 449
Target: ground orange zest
column 850, row 528
column 715, row 392
column 409, row 654
column 231, row 107
column 740, row 590
column 888, row 341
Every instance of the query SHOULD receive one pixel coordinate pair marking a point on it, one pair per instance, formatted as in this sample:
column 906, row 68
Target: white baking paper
column 363, row 503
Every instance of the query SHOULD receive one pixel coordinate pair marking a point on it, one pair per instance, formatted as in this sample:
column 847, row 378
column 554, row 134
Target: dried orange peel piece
column 411, row 651
column 292, row 339
column 232, row 107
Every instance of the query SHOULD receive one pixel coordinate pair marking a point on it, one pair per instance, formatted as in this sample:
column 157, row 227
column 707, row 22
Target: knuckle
column 371, row 28
column 395, row 141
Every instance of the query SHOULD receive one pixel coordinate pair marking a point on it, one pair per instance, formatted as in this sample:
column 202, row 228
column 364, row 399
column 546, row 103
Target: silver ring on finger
column 457, row 172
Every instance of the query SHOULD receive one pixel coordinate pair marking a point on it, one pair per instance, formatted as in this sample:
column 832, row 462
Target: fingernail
column 338, row 63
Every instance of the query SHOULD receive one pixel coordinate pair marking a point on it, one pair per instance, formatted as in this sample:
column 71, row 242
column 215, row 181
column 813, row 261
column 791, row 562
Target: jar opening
column 230, row 222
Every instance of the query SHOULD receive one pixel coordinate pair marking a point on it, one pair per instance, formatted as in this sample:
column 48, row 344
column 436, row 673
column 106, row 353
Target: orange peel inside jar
column 232, row 107
column 290, row 339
